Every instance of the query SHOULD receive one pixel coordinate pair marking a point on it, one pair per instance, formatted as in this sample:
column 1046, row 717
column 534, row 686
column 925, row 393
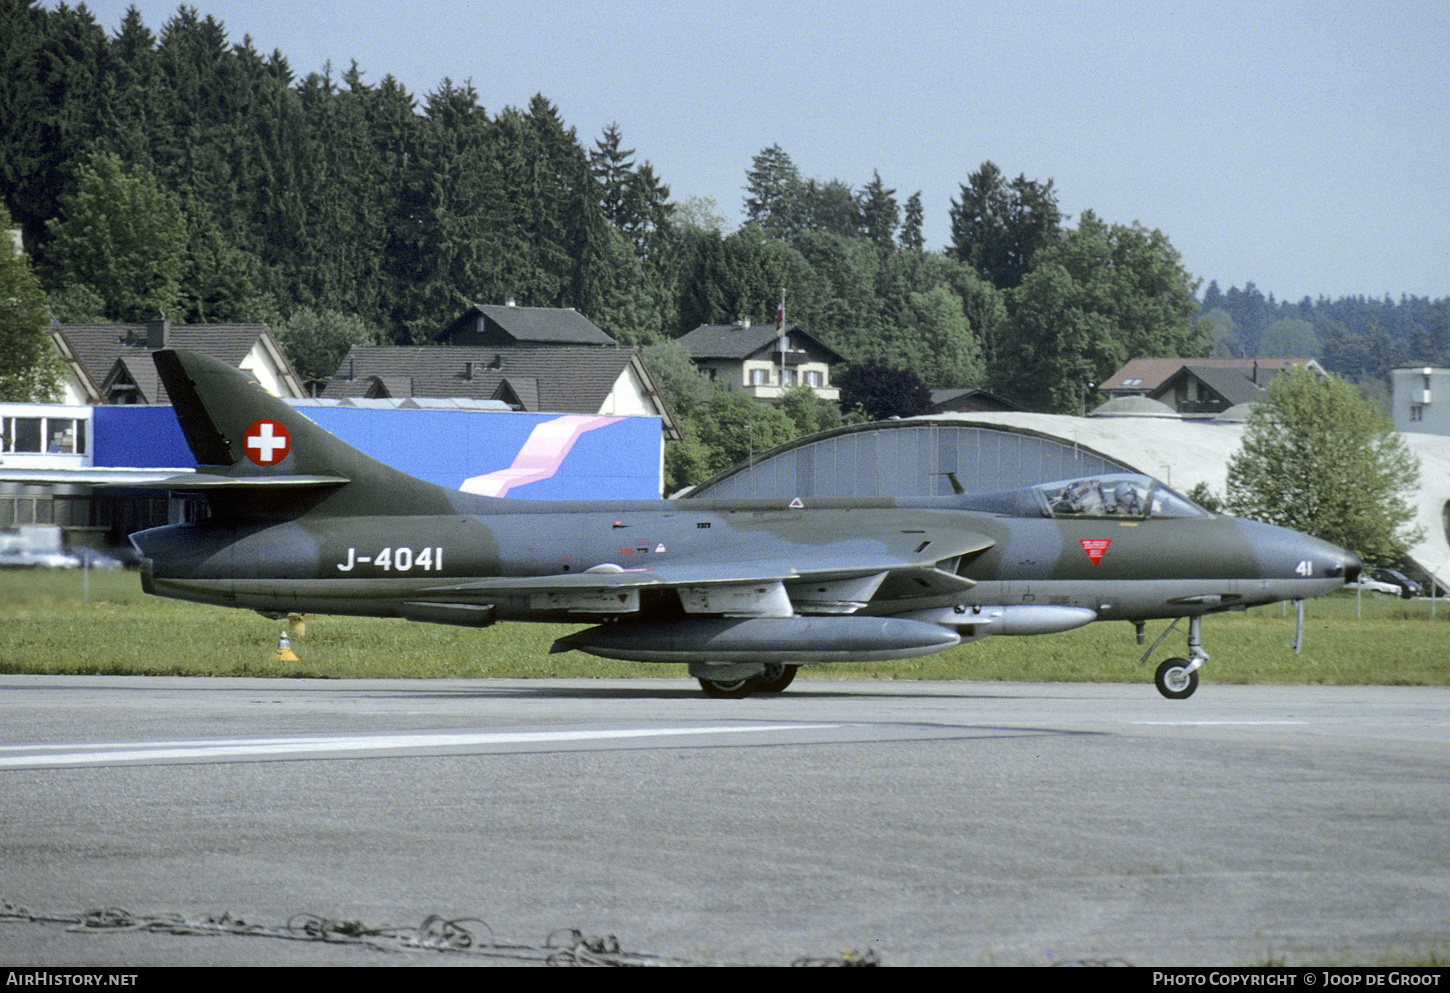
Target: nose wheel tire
column 1175, row 679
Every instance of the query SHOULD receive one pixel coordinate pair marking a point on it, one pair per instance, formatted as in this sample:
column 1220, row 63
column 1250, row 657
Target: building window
column 52, row 435
column 1417, row 412
column 759, row 377
column 21, row 434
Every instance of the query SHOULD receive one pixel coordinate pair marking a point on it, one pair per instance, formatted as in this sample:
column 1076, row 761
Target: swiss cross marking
column 1095, row 548
column 268, row 442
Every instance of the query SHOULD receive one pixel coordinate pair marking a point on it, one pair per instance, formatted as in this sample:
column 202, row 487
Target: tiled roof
column 968, row 399
column 735, row 341
column 98, row 348
column 1147, row 375
column 562, row 379
column 1233, row 384
column 522, row 326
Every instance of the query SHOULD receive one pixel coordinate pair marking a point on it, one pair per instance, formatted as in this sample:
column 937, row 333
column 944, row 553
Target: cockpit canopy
column 1124, row 495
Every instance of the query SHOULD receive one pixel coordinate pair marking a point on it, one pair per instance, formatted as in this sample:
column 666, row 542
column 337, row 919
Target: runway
column 927, row 823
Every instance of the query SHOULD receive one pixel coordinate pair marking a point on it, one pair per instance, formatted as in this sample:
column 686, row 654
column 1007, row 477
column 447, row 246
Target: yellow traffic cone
column 284, row 651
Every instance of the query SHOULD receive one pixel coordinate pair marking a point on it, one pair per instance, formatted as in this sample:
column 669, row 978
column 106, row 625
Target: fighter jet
column 743, row 591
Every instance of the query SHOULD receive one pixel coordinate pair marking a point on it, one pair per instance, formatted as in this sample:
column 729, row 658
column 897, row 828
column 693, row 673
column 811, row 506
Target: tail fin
column 248, row 443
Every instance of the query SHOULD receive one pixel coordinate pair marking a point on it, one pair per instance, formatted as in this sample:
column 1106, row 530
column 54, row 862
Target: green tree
column 999, row 226
column 684, row 386
column 125, row 237
column 1226, row 342
column 879, row 213
column 1318, row 459
column 773, row 189
column 739, row 276
column 29, row 366
column 835, row 297
column 687, row 461
column 1105, row 294
column 911, row 237
column 882, row 393
column 733, row 428
column 808, row 411
column 51, row 65
column 947, row 352
column 1289, row 338
column 317, row 341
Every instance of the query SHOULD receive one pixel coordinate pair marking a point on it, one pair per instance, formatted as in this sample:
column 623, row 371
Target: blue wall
column 618, row 460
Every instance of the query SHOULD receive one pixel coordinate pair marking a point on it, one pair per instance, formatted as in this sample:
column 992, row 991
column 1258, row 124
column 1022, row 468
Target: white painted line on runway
column 41, row 756
column 1215, row 724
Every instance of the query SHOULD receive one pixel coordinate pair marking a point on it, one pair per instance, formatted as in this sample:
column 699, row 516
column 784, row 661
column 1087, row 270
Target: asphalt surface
column 924, row 823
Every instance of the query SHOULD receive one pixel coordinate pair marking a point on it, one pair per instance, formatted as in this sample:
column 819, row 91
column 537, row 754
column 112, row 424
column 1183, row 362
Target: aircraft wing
column 205, row 482
column 162, row 479
column 824, row 582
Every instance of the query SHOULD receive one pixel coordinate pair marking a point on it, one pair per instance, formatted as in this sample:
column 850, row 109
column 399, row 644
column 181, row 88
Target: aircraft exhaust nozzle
column 788, row 640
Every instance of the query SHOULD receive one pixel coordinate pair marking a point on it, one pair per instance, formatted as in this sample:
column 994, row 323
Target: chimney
column 157, row 332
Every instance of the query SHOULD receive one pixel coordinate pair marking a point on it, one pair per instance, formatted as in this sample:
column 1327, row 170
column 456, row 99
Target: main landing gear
column 775, row 678
column 1177, row 678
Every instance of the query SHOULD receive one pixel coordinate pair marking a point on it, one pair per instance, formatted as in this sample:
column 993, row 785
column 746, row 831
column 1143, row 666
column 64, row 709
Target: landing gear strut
column 1177, row 678
column 775, row 678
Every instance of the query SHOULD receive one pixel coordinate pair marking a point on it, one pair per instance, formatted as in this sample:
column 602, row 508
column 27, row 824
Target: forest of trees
column 176, row 171
column 1358, row 338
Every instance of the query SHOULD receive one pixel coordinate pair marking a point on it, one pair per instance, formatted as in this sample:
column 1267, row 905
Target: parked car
column 1408, row 587
column 1366, row 585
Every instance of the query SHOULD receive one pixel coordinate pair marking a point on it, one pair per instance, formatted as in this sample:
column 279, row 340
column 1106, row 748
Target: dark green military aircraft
column 743, row 591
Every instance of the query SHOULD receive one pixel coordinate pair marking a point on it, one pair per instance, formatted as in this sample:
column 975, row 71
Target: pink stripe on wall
column 540, row 457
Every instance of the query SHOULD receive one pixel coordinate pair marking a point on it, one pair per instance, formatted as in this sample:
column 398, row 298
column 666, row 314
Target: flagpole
column 780, row 338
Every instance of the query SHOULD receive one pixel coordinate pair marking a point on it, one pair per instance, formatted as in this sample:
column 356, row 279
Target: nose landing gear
column 1177, row 678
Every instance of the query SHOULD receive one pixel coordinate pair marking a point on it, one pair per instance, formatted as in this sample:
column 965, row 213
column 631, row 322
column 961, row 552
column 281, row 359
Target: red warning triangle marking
column 1095, row 547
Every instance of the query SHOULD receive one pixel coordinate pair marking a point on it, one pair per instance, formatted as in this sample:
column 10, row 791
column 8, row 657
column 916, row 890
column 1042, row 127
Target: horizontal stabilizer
column 204, row 482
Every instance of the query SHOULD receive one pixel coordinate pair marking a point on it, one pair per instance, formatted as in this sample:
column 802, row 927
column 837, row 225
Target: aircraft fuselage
column 1118, row 569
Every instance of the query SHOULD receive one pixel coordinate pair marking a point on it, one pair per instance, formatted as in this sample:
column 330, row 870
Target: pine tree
column 911, row 238
column 879, row 213
column 998, row 226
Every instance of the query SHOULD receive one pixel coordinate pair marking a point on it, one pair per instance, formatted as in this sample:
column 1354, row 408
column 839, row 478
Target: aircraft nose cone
column 1352, row 567
column 1337, row 562
column 1288, row 554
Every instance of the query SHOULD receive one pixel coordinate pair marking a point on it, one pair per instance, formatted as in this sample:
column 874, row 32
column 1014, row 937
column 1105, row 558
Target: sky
column 1300, row 146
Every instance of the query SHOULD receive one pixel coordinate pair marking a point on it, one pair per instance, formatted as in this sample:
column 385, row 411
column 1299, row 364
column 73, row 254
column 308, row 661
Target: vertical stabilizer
column 238, row 430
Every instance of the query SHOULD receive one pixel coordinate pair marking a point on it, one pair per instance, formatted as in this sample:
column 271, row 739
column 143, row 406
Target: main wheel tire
column 1175, row 680
column 776, row 677
column 737, row 689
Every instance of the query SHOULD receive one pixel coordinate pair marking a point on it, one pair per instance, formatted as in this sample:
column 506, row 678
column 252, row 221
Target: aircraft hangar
column 988, row 452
